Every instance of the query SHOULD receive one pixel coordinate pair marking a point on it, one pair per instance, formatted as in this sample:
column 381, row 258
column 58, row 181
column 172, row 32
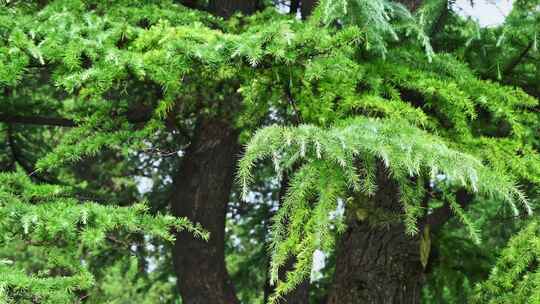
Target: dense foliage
column 359, row 118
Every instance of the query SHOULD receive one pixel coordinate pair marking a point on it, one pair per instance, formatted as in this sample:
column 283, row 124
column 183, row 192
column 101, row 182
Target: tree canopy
column 194, row 152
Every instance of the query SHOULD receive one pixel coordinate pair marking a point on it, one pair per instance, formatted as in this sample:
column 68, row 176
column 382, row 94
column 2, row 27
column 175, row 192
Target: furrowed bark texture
column 377, row 264
column 202, row 190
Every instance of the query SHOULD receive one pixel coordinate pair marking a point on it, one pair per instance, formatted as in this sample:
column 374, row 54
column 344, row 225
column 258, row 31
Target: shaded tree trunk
column 377, row 263
column 307, row 7
column 190, row 3
column 202, row 190
column 300, row 295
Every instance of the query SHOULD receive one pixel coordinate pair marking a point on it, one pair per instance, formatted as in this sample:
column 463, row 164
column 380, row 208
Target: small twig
column 161, row 153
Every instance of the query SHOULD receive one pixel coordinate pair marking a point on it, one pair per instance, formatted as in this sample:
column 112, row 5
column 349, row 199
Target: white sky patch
column 486, row 12
column 144, row 184
column 319, row 261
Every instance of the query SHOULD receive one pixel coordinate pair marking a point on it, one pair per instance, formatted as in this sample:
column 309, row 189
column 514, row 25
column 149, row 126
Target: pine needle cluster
column 57, row 238
column 118, row 73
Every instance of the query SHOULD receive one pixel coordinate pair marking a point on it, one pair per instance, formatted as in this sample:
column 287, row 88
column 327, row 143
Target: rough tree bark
column 201, row 193
column 377, row 264
column 202, row 189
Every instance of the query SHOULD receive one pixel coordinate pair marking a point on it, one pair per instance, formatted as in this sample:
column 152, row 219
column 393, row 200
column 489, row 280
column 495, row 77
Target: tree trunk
column 307, row 7
column 190, row 3
column 202, row 190
column 300, row 295
column 377, row 263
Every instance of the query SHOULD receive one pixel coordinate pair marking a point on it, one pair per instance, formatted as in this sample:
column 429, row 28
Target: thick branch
column 135, row 115
column 439, row 23
column 441, row 215
column 515, row 62
column 37, row 120
column 18, row 158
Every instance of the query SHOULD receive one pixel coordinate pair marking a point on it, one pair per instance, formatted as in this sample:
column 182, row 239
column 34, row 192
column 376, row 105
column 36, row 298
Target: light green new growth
column 64, row 236
column 516, row 277
column 119, row 71
column 341, row 160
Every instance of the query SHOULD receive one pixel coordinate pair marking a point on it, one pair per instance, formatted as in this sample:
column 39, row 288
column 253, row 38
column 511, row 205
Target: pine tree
column 374, row 138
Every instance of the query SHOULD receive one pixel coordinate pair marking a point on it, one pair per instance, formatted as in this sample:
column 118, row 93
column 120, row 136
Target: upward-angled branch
column 18, row 158
column 442, row 17
column 516, row 60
